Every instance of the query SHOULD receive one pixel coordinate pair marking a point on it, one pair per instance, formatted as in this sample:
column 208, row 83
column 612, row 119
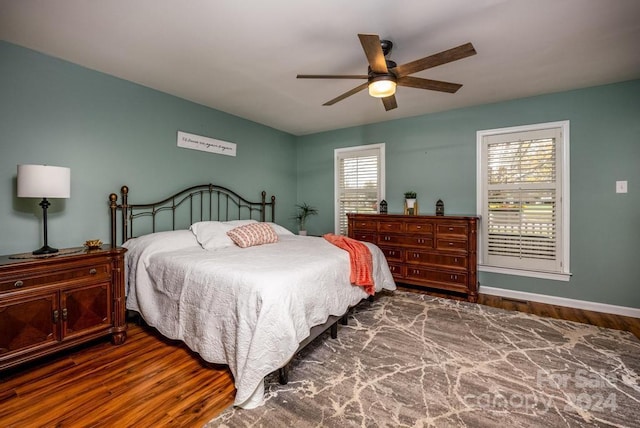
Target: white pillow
column 169, row 240
column 279, row 229
column 236, row 223
column 212, row 234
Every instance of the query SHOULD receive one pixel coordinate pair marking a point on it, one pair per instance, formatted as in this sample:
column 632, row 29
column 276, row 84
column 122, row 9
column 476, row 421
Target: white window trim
column 336, row 185
column 565, row 274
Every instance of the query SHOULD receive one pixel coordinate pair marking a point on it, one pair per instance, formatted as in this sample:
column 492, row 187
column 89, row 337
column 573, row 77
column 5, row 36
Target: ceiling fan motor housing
column 390, row 75
column 386, row 46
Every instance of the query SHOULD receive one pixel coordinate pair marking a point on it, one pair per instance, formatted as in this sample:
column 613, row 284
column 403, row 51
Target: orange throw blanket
column 360, row 260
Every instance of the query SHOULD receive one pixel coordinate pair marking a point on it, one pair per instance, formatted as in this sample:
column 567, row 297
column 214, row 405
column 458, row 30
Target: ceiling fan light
column 381, row 88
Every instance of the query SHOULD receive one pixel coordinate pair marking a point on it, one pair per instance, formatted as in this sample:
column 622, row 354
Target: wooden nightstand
column 53, row 303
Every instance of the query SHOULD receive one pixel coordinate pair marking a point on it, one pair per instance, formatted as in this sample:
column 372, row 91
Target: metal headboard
column 203, row 202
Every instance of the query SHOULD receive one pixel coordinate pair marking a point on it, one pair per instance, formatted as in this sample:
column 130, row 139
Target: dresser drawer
column 406, row 240
column 98, row 271
column 451, row 244
column 392, row 254
column 420, row 228
column 436, row 259
column 397, row 270
column 361, row 235
column 364, row 225
column 460, row 230
column 454, row 279
column 390, row 226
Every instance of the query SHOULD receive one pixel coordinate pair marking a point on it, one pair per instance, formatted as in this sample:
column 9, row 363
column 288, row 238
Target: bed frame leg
column 344, row 320
column 334, row 330
column 283, row 375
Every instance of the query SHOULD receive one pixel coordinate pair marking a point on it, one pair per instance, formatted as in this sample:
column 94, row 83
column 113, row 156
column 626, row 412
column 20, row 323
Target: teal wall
column 435, row 155
column 111, row 132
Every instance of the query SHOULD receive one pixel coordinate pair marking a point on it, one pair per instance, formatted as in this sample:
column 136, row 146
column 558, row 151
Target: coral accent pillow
column 253, row 234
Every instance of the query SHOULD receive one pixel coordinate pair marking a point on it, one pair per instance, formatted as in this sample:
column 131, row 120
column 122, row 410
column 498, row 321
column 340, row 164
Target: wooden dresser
column 53, row 303
column 438, row 252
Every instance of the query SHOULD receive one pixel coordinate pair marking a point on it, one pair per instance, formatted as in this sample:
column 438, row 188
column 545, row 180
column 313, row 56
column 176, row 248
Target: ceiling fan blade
column 347, row 94
column 389, row 102
column 434, row 60
column 373, row 51
column 332, row 76
column 432, row 85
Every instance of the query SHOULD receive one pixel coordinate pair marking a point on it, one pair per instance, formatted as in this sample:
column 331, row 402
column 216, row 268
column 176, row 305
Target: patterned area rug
column 412, row 360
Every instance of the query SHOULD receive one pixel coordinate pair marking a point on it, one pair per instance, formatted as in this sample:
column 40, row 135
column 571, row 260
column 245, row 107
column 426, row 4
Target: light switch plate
column 621, row 186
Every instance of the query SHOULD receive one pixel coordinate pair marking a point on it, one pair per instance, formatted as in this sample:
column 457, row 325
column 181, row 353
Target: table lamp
column 44, row 181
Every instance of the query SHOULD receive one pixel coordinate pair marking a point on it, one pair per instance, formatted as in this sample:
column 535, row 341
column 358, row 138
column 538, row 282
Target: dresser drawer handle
column 451, row 229
column 450, row 243
column 93, row 271
column 18, row 284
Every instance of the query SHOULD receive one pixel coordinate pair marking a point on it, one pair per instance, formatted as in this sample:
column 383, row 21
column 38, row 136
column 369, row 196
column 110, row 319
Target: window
column 523, row 200
column 359, row 182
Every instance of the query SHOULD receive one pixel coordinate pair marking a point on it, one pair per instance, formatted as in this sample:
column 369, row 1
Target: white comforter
column 248, row 308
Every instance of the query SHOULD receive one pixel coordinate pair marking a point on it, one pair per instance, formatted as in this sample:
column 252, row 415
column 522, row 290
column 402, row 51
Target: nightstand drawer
column 98, row 271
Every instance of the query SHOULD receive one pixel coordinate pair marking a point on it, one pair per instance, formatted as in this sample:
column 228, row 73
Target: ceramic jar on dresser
column 436, row 252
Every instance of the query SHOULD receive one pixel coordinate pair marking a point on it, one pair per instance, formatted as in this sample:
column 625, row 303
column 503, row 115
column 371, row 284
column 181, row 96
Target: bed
column 250, row 308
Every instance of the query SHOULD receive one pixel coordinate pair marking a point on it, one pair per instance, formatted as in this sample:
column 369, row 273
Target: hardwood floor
column 601, row 319
column 148, row 381
column 151, row 381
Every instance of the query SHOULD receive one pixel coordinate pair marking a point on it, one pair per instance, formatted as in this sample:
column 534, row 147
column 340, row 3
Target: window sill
column 530, row 273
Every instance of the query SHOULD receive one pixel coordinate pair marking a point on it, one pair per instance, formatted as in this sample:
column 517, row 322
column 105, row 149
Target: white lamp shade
column 44, row 181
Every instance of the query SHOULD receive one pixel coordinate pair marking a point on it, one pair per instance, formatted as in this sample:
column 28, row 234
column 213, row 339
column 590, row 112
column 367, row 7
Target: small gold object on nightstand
column 93, row 244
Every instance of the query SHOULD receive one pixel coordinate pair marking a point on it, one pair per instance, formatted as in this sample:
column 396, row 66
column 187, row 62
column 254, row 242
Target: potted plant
column 304, row 211
column 410, row 197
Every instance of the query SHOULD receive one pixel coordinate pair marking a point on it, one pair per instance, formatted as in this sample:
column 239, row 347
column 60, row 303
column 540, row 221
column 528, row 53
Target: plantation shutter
column 522, row 212
column 358, row 183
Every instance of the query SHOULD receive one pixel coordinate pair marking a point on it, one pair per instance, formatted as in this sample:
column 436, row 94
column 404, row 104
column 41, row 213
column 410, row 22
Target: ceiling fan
column 384, row 74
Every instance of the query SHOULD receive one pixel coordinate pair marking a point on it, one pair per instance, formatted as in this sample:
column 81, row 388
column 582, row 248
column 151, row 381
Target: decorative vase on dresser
column 53, row 303
column 434, row 252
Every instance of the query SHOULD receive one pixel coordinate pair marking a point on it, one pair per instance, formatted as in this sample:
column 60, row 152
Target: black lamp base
column 45, row 250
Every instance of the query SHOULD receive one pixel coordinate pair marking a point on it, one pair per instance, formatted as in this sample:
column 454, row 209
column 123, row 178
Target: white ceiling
column 242, row 56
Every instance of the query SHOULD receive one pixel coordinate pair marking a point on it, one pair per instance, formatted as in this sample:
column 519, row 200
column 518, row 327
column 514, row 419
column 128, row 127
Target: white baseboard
column 562, row 301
